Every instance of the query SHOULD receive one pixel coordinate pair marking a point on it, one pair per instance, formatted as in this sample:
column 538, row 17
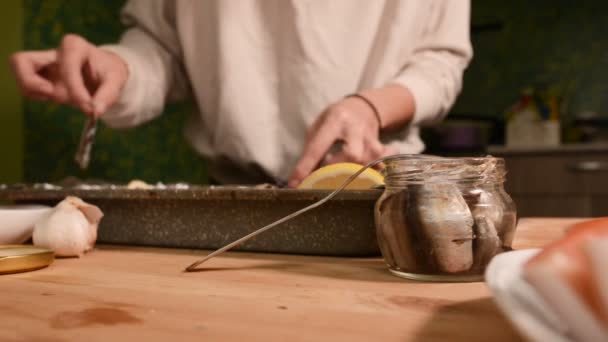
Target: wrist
column 370, row 105
column 395, row 105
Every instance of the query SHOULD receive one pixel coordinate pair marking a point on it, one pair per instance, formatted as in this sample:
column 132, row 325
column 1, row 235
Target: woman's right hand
column 77, row 73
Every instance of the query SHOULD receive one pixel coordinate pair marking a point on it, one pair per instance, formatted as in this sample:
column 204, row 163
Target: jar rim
column 403, row 169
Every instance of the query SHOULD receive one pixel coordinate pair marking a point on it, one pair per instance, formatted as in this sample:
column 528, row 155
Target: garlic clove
column 70, row 229
column 92, row 213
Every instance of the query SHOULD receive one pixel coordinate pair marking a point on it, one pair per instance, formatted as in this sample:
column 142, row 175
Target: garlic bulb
column 70, row 229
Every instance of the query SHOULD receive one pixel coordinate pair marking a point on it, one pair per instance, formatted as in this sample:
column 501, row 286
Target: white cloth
column 538, row 312
column 261, row 71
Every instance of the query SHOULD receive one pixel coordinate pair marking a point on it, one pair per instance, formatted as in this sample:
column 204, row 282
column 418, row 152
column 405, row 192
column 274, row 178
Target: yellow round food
column 330, row 177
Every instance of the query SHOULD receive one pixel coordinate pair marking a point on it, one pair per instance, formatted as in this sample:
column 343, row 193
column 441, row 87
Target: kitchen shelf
column 565, row 181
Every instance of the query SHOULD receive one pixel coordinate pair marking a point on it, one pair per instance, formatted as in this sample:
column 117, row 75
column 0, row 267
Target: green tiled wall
column 11, row 115
column 559, row 42
column 152, row 152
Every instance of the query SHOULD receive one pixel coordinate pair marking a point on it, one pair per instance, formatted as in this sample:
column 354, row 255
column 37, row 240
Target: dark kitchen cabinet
column 566, row 181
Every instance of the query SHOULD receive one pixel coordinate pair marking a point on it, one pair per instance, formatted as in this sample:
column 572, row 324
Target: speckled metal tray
column 210, row 217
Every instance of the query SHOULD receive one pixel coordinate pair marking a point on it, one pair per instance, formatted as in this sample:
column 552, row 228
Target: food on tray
column 332, row 176
column 138, row 184
column 570, row 275
column 70, row 229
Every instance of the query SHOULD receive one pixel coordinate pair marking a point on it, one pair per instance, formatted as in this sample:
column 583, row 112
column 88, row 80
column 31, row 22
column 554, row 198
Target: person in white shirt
column 278, row 84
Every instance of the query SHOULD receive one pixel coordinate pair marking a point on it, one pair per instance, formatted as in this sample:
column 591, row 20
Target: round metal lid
column 23, row 258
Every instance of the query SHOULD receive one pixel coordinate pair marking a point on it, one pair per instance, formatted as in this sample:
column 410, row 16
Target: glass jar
column 443, row 219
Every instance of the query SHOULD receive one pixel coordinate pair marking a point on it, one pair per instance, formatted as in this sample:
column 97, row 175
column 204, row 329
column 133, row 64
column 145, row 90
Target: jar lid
column 23, row 258
column 413, row 169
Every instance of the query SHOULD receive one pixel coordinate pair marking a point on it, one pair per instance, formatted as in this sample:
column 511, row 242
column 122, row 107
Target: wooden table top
column 120, row 293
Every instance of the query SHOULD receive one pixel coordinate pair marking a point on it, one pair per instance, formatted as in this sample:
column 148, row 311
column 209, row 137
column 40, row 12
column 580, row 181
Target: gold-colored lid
column 23, row 258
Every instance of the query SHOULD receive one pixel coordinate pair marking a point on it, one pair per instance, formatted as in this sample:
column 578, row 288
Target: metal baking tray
column 210, row 217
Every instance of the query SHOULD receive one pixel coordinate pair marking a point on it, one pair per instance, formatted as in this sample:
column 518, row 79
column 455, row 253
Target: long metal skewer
column 284, row 219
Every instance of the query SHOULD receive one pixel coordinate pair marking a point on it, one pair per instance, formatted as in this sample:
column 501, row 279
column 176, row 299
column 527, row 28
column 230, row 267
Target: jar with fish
column 443, row 219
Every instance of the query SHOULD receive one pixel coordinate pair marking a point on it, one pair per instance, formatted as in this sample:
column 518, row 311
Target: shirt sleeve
column 151, row 50
column 434, row 72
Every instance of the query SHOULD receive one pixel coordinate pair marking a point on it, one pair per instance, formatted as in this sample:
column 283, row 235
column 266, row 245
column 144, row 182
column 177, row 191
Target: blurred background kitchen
column 535, row 93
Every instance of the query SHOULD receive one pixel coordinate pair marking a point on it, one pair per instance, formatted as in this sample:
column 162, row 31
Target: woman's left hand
column 351, row 122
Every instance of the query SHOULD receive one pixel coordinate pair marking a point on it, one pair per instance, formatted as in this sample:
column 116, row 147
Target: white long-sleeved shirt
column 262, row 71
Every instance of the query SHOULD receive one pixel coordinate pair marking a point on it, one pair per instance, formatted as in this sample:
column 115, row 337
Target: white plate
column 17, row 222
column 520, row 302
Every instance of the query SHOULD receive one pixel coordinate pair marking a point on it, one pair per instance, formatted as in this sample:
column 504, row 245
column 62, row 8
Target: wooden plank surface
column 120, row 293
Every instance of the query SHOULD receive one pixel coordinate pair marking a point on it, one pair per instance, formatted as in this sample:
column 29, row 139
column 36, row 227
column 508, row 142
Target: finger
column 334, row 158
column 344, row 158
column 38, row 59
column 389, row 150
column 107, row 93
column 60, row 95
column 349, row 156
column 60, row 92
column 316, row 147
column 73, row 54
column 376, row 149
column 26, row 65
column 44, row 58
column 354, row 149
